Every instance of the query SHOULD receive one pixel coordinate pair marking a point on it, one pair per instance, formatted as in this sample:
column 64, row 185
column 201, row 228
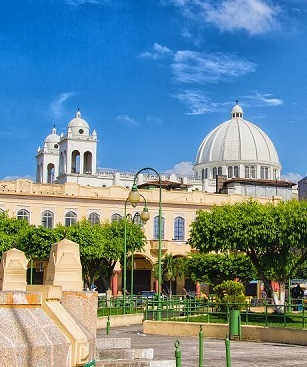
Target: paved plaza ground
column 243, row 353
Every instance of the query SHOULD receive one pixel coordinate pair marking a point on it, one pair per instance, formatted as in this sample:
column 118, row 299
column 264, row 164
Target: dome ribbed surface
column 237, row 140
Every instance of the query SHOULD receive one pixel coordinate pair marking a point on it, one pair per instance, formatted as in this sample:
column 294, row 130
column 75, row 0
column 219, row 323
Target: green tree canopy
column 101, row 245
column 10, row 231
column 231, row 292
column 36, row 242
column 215, row 268
column 273, row 236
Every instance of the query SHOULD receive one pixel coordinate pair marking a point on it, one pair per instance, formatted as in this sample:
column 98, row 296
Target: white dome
column 52, row 141
column 237, row 142
column 78, row 126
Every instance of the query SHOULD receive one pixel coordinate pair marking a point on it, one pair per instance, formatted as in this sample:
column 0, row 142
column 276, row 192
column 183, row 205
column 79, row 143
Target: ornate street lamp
column 134, row 198
column 144, row 218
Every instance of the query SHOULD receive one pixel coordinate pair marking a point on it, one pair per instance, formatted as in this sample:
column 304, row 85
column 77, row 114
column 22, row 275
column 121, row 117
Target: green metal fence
column 292, row 314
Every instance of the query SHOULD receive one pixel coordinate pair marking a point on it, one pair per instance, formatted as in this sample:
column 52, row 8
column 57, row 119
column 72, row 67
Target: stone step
column 117, row 352
column 136, row 363
column 113, row 343
column 130, row 353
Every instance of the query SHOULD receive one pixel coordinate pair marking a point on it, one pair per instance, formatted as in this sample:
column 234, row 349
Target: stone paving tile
column 243, row 353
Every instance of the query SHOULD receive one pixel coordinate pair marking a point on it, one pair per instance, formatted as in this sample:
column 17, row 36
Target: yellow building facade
column 49, row 204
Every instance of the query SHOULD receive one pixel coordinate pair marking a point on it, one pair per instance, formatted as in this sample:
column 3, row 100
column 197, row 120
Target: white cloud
column 182, row 168
column 14, row 178
column 197, row 67
column 253, row 16
column 196, row 101
column 154, row 120
column 82, row 2
column 129, row 120
column 291, row 177
column 57, row 106
column 157, row 52
column 264, row 99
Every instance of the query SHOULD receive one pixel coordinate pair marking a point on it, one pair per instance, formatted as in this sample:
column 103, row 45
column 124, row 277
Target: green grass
column 273, row 320
column 112, row 311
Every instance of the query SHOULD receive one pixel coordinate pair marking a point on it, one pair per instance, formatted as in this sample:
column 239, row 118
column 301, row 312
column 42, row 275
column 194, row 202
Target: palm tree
column 172, row 268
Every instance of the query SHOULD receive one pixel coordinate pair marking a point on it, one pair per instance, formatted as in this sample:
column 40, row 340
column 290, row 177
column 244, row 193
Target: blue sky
column 152, row 77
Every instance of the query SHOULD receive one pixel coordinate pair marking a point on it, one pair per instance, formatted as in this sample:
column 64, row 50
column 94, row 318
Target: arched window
column 156, row 228
column 75, row 161
column 214, row 173
column 87, row 163
column 62, row 163
column 246, row 172
column 50, row 173
column 23, row 214
column 47, row 219
column 70, row 219
column 219, row 171
column 94, row 218
column 116, row 217
column 236, row 172
column 264, row 173
column 253, row 172
column 230, row 172
column 137, row 218
column 275, row 174
column 179, row 229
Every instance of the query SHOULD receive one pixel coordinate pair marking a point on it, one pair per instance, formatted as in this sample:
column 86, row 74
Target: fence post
column 227, row 344
column 108, row 326
column 177, row 353
column 201, row 346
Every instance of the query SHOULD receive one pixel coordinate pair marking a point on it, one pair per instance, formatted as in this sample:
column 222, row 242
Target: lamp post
column 144, row 217
column 134, row 198
column 142, row 220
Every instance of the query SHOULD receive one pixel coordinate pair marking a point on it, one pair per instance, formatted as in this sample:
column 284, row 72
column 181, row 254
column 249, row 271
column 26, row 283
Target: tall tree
column 102, row 246
column 273, row 236
column 213, row 269
column 10, row 231
column 36, row 242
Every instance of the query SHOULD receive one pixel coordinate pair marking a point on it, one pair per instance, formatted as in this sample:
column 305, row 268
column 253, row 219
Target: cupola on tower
column 65, row 158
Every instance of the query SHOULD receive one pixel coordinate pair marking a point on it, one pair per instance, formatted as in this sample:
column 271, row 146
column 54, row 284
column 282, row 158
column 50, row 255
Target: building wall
column 106, row 201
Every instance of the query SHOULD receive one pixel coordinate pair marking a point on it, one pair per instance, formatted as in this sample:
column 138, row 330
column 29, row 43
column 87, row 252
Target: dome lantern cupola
column 78, row 127
column 237, row 112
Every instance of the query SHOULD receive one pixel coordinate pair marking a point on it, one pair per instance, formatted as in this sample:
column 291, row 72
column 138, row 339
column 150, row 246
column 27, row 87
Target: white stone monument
column 13, row 271
column 64, row 266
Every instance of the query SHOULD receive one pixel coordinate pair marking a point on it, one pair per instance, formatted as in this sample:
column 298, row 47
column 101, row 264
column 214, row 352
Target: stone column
column 114, row 283
column 197, row 289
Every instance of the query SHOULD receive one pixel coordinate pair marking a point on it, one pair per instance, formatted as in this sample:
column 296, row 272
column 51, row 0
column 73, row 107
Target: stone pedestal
column 13, row 270
column 64, row 267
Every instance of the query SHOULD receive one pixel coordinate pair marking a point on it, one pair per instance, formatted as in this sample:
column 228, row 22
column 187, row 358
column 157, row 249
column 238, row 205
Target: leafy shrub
column 230, row 292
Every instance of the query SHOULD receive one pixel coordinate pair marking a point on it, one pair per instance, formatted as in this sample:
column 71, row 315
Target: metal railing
column 179, row 308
